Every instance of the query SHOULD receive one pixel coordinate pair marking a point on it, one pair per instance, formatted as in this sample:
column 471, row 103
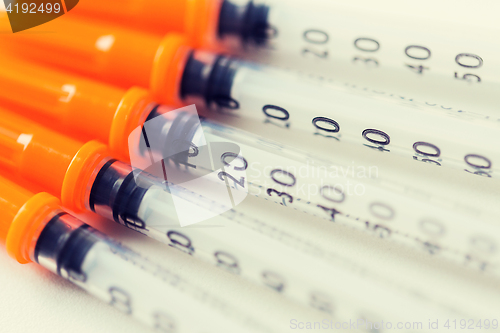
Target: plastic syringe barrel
column 34, row 228
column 84, row 176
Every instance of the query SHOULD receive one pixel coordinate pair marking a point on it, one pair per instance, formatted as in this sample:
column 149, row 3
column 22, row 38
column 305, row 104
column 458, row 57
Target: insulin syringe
column 175, row 72
column 86, row 109
column 439, row 52
column 34, row 228
column 311, row 108
column 87, row 178
column 297, row 180
column 91, row 110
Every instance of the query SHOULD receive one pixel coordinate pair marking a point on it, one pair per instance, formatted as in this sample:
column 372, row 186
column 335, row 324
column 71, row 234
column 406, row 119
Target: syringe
column 176, row 73
column 275, row 172
column 34, row 228
column 88, row 179
column 315, row 109
column 434, row 54
column 317, row 186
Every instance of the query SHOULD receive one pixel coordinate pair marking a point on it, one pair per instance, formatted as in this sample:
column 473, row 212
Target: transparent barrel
column 431, row 52
column 352, row 195
column 154, row 295
column 242, row 245
column 259, row 250
column 338, row 114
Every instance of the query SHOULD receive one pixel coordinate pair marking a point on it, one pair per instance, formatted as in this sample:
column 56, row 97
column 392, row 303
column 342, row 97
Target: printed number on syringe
column 317, row 45
column 377, row 140
column 281, row 186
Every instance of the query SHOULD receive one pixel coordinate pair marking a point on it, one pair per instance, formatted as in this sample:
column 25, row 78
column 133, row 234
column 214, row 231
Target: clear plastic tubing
column 312, row 108
column 321, row 187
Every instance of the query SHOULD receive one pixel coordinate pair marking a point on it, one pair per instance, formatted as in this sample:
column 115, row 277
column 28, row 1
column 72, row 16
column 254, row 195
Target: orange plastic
column 60, row 165
column 5, row 27
column 201, row 23
column 79, row 107
column 168, row 67
column 196, row 18
column 28, row 224
column 133, row 110
column 109, row 53
column 156, row 16
column 12, row 198
column 81, row 174
column 23, row 216
column 72, row 104
column 113, row 54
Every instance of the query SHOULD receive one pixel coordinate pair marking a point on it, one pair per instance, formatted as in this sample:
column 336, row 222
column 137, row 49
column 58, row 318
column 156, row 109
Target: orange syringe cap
column 60, row 165
column 196, row 18
column 81, row 108
column 106, row 52
column 12, row 198
column 149, row 15
column 22, row 217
